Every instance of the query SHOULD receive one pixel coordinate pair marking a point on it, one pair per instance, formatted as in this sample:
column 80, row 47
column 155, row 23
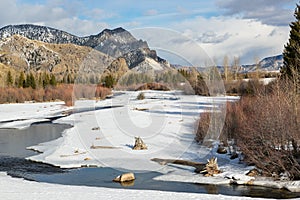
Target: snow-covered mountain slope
column 150, row 64
column 269, row 64
column 273, row 63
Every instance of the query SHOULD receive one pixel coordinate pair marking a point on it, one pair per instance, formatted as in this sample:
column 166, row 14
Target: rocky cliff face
column 41, row 33
column 30, row 55
column 115, row 43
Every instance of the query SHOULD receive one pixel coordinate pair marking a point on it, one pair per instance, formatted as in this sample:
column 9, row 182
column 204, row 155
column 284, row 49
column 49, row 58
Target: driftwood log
column 211, row 167
column 139, row 144
column 198, row 166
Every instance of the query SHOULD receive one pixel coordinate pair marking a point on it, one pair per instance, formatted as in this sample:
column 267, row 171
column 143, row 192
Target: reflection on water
column 13, row 145
column 13, row 142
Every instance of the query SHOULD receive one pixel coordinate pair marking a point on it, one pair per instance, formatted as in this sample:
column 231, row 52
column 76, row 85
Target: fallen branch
column 104, row 147
column 199, row 166
column 75, row 154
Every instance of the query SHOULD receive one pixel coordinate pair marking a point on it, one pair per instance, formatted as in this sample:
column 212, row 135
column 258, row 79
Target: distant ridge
column 115, row 43
column 120, row 41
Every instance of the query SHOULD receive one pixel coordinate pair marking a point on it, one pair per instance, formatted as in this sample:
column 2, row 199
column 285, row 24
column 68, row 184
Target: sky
column 243, row 29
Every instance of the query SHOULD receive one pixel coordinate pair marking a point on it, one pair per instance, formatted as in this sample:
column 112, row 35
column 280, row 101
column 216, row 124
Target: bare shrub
column 203, row 126
column 265, row 127
column 63, row 92
column 153, row 86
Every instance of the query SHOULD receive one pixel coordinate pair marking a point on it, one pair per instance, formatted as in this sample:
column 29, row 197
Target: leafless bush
column 63, row 92
column 266, row 128
column 203, row 126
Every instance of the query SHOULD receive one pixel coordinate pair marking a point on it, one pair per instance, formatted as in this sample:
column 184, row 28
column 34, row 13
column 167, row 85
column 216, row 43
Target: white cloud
column 212, row 37
column 57, row 14
column 272, row 12
column 247, row 39
column 219, row 36
column 250, row 30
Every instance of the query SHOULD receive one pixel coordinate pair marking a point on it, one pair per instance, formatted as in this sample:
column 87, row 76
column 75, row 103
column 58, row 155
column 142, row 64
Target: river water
column 13, row 152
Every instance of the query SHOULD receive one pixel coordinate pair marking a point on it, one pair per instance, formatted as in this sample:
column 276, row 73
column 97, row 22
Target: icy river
column 13, row 143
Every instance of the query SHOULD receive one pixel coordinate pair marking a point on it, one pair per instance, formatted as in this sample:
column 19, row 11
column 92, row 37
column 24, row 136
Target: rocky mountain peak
column 114, row 31
column 112, row 42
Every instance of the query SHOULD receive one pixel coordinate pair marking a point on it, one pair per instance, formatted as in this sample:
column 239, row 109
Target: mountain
column 24, row 54
column 115, row 43
column 274, row 63
column 269, row 64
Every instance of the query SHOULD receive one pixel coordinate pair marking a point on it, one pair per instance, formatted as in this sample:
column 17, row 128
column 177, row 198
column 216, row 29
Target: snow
column 148, row 65
column 264, row 81
column 164, row 120
column 15, row 189
column 21, row 116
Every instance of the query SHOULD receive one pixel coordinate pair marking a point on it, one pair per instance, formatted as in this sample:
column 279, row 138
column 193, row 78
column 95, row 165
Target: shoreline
column 72, row 143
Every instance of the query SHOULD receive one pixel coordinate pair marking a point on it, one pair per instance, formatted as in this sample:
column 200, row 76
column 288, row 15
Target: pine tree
column 9, row 79
column 46, row 79
column 27, row 81
column 21, row 81
column 291, row 54
column 109, row 81
column 32, row 81
column 52, row 80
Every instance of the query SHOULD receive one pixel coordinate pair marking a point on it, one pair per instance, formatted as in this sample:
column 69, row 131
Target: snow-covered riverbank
column 103, row 135
column 24, row 114
column 164, row 120
column 19, row 189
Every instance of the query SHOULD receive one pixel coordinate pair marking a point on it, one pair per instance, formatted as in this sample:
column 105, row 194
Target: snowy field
column 103, row 135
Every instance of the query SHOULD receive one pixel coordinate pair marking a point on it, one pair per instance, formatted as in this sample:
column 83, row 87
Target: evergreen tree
column 32, row 83
column 52, row 80
column 109, row 81
column 291, row 54
column 9, row 79
column 46, row 79
column 21, row 80
column 27, row 81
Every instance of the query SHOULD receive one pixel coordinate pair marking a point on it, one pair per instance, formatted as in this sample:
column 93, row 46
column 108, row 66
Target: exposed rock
column 253, row 173
column 124, row 178
column 221, row 150
column 60, row 59
column 234, row 156
column 139, row 144
column 117, row 68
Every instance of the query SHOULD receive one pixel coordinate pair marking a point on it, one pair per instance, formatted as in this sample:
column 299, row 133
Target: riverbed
column 13, row 153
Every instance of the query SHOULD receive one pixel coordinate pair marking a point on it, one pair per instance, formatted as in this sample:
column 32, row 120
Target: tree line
column 32, row 80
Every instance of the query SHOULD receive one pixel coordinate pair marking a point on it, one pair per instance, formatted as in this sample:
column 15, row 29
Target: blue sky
column 249, row 30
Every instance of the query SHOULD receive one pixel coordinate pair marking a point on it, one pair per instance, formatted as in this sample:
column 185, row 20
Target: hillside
column 115, row 43
column 23, row 54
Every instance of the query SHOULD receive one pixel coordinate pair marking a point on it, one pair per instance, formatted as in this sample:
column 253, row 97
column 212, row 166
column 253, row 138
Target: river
column 13, row 143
